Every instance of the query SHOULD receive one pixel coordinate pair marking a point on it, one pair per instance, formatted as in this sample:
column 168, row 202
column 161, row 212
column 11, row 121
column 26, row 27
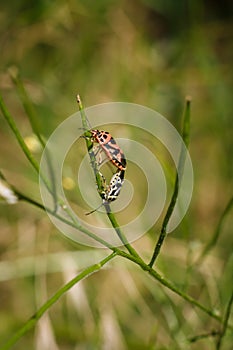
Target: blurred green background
column 148, row 52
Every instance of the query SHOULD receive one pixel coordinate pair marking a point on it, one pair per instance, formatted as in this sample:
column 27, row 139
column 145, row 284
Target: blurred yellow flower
column 68, row 183
column 32, row 143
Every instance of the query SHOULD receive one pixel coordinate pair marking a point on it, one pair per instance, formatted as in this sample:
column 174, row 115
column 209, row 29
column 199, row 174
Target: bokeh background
column 148, row 52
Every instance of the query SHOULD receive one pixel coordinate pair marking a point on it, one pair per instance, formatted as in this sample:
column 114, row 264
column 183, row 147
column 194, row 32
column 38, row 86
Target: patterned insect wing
column 110, row 147
column 115, row 186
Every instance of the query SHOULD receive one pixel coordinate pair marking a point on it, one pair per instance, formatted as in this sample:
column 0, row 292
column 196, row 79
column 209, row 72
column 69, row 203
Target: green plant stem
column 27, row 104
column 110, row 215
column 225, row 323
column 30, row 111
column 212, row 333
column 185, row 136
column 120, row 234
column 217, row 232
column 40, row 312
column 21, row 142
column 18, row 136
column 89, row 145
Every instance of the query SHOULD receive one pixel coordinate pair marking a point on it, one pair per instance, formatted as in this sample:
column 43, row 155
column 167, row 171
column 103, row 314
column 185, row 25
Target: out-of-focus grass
column 148, row 52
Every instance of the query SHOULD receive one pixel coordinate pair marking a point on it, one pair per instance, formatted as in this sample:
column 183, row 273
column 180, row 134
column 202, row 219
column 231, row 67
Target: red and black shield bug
column 110, row 147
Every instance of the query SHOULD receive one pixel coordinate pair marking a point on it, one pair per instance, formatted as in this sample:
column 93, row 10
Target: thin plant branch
column 210, row 334
column 225, row 323
column 120, row 234
column 30, row 112
column 10, row 121
column 217, row 232
column 26, row 102
column 185, row 136
column 89, row 145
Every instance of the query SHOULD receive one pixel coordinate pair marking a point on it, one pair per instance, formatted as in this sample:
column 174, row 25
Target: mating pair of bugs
column 108, row 145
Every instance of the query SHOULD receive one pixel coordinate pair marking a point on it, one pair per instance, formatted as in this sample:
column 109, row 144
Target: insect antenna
column 90, row 212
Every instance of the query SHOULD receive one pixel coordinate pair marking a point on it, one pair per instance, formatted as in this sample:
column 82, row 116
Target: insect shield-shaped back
column 114, row 188
column 110, row 147
column 102, row 137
